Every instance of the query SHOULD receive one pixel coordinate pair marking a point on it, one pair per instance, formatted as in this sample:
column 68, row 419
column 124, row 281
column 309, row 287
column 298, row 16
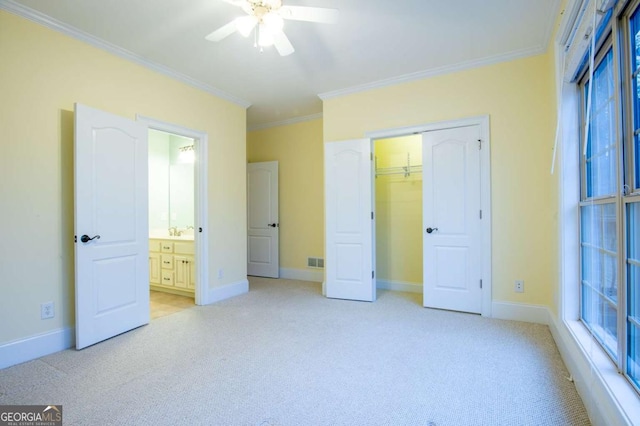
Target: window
column 610, row 192
column 598, row 223
column 632, row 207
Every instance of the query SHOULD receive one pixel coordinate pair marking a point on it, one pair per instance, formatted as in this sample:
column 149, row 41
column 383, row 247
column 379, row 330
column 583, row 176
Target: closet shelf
column 405, row 170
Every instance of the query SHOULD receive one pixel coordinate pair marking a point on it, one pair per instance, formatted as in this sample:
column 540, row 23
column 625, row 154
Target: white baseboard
column 227, row 291
column 607, row 396
column 520, row 312
column 33, row 347
column 399, row 286
column 302, row 274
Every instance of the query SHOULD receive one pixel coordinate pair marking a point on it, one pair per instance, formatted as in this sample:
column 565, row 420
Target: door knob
column 85, row 238
column 273, row 225
column 430, row 230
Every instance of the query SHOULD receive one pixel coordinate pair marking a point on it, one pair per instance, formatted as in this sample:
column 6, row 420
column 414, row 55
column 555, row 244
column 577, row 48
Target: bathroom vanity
column 172, row 265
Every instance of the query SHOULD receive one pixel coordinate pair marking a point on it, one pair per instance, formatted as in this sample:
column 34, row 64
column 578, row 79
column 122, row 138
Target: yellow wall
column 399, row 212
column 42, row 74
column 518, row 96
column 298, row 150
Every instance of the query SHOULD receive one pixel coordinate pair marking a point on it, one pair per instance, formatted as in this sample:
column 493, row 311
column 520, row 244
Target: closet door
column 349, row 220
column 452, row 221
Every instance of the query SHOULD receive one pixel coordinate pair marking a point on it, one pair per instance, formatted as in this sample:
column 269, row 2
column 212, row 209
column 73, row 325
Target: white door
column 111, row 225
column 348, row 220
column 451, row 219
column 263, row 226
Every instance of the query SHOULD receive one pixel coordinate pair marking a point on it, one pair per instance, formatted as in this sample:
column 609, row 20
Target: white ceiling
column 374, row 42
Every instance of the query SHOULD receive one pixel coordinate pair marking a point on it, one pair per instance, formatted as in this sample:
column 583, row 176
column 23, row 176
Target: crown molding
column 286, row 122
column 432, row 72
column 47, row 21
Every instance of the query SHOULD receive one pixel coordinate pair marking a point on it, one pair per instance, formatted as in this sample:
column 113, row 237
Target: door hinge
column 480, row 214
column 371, row 215
column 479, row 143
column 373, row 274
column 371, row 156
column 480, row 283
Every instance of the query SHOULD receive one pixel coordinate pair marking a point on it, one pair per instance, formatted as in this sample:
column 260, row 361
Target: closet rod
column 397, row 170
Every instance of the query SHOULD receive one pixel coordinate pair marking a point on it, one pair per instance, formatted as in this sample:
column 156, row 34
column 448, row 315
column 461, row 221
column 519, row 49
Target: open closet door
column 452, row 218
column 349, row 220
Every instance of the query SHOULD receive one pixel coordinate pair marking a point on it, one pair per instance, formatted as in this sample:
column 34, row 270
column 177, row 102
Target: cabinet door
column 192, row 274
column 154, row 268
column 182, row 268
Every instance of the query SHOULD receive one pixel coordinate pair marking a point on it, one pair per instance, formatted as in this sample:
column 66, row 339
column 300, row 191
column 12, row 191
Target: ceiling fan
column 268, row 17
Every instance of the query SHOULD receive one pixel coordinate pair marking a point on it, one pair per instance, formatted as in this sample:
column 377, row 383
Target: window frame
column 615, row 36
column 604, row 45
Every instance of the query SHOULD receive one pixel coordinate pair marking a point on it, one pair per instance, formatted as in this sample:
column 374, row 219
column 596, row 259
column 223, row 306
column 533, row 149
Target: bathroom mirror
column 171, row 183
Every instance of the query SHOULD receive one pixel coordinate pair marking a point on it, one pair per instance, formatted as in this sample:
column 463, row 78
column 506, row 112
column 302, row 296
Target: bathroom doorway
column 171, row 222
column 177, row 217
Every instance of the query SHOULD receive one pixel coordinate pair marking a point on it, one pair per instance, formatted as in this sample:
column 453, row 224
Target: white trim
column 399, row 286
column 607, row 396
column 201, row 239
column 37, row 346
column 520, row 312
column 568, row 22
column 42, row 19
column 286, row 122
column 485, row 187
column 228, row 291
column 432, row 72
column 302, row 274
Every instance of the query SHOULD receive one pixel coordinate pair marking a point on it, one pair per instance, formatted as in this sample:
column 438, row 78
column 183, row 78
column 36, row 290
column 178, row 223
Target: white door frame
column 201, row 231
column 485, row 186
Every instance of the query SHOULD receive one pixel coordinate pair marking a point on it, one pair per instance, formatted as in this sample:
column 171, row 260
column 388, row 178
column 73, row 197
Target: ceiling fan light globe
column 273, row 21
column 245, row 24
column 265, row 38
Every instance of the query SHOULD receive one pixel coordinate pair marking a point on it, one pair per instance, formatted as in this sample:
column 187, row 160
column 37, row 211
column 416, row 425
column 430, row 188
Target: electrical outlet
column 46, row 310
column 519, row 287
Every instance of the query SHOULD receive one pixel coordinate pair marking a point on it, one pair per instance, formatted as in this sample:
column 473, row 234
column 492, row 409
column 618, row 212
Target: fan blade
column 282, row 43
column 244, row 4
column 223, row 32
column 309, row 14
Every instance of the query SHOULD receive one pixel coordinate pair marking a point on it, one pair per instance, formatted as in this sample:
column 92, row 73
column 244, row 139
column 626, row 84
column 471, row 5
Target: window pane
column 633, row 259
column 633, row 291
column 599, row 244
column 636, row 160
column 600, row 165
column 635, row 51
column 633, row 360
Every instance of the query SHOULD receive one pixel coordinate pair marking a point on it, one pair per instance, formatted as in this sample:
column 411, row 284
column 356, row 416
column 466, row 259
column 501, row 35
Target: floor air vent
column 315, row 262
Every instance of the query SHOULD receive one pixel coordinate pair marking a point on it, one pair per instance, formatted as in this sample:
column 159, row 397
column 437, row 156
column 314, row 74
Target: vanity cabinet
column 172, row 265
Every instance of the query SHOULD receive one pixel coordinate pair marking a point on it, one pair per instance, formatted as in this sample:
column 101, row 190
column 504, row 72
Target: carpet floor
column 283, row 354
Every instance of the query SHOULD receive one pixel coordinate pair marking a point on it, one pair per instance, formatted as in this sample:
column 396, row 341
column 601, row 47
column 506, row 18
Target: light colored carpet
column 284, row 355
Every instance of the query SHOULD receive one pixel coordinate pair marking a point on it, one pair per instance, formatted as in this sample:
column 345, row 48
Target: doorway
column 456, row 217
column 177, row 215
column 171, row 222
column 398, row 213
